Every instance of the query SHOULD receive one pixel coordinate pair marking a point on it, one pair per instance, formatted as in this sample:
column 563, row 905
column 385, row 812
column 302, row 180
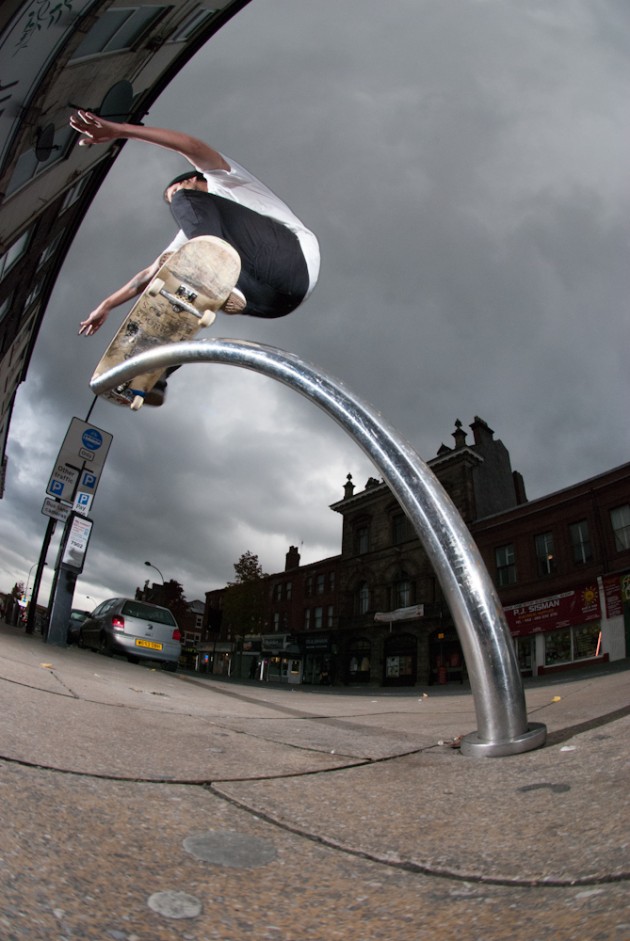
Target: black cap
column 191, row 174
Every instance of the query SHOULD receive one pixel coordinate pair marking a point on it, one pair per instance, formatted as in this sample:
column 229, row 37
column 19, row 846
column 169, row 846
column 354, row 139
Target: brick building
column 376, row 613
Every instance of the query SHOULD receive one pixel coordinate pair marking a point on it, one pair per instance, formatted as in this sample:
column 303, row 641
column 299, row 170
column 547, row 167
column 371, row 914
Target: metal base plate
column 535, row 737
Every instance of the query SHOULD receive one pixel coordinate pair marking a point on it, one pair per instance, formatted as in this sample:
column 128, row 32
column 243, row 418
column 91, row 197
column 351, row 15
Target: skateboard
column 192, row 284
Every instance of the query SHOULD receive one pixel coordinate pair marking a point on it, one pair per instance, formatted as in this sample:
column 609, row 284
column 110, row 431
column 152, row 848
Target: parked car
column 77, row 617
column 134, row 628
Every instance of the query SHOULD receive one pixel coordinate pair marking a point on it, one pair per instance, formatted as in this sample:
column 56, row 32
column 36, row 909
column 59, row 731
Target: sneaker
column 235, row 303
column 157, row 394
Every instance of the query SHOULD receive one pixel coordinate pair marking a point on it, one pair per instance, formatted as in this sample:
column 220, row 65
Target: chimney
column 460, row 436
column 292, row 559
column 482, row 431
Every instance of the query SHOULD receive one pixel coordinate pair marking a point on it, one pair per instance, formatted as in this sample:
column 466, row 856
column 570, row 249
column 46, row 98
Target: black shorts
column 274, row 276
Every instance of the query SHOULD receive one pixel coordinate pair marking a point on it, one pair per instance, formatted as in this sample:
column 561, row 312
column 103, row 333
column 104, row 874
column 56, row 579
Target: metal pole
column 483, row 632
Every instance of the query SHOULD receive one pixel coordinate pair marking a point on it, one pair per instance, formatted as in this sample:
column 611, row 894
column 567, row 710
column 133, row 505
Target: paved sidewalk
column 139, row 805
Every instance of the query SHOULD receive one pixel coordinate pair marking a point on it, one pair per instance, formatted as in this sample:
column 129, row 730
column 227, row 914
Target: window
column 13, row 253
column 319, row 585
column 192, row 24
column 401, row 592
column 50, row 249
column 276, row 621
column 361, row 539
column 580, row 542
column 620, row 521
column 330, row 616
column 5, row 306
column 117, row 29
column 308, row 585
column 505, row 560
column 319, row 619
column 331, row 581
column 545, row 554
column 362, row 598
column 400, row 528
column 73, row 194
column 307, row 619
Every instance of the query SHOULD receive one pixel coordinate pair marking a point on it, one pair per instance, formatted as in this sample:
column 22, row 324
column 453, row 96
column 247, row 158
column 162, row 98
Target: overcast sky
column 464, row 164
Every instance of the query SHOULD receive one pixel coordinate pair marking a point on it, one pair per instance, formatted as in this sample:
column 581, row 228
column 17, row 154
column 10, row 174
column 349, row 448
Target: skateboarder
column 279, row 255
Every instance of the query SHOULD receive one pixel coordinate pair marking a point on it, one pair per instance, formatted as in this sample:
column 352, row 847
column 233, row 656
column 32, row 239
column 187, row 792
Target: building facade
column 375, row 613
column 112, row 57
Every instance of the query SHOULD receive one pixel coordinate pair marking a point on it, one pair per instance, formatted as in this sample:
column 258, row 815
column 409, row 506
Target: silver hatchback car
column 134, row 628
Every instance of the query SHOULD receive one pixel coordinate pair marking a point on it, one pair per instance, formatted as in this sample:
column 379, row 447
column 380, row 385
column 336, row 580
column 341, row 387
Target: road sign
column 82, row 502
column 57, row 510
column 82, row 454
column 62, row 482
column 85, row 444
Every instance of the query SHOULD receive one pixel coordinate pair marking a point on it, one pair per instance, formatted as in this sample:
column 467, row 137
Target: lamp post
column 151, row 565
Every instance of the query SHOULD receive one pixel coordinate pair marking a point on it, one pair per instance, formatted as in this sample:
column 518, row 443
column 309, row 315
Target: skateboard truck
column 181, row 301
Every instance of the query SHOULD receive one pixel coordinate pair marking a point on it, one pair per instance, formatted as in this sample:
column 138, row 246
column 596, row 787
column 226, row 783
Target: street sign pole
column 74, row 480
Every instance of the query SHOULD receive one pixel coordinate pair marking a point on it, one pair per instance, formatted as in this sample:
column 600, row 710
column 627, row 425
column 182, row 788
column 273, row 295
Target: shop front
column 401, row 660
column 558, row 632
column 319, row 666
column 446, row 658
column 281, row 659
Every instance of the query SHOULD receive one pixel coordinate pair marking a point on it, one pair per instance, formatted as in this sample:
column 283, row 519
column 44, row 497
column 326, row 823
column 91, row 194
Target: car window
column 148, row 612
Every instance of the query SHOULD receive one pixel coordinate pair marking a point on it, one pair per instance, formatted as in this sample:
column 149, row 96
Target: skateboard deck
column 191, row 285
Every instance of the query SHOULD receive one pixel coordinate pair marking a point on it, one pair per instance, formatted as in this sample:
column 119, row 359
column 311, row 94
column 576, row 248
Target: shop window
column 580, row 542
column 505, row 560
column 620, row 521
column 573, row 643
column 359, row 656
column 545, row 555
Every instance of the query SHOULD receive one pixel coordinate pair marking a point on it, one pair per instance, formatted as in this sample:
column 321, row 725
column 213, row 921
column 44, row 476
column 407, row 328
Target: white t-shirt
column 242, row 187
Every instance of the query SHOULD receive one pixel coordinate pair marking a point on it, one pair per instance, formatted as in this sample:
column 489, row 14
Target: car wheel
column 171, row 666
column 132, row 658
column 105, row 646
column 81, row 641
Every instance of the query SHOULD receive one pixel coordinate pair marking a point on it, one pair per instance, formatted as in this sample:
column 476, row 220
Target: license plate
column 148, row 643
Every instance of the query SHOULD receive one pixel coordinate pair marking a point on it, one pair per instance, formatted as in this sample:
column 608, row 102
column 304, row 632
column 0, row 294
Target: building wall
column 47, row 182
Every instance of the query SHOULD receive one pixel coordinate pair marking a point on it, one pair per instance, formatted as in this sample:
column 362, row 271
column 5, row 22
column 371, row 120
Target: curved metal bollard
column 475, row 607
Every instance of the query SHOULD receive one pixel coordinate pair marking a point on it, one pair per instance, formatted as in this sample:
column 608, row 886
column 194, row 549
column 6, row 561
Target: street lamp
column 151, row 565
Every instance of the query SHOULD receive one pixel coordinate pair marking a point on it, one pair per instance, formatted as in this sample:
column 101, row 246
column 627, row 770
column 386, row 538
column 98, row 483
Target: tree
column 247, row 569
column 244, row 603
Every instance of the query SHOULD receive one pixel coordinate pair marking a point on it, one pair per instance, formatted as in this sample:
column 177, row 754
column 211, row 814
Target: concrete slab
column 140, row 806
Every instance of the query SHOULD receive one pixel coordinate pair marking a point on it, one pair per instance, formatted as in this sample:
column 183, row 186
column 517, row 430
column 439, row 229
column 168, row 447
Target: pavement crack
column 393, row 861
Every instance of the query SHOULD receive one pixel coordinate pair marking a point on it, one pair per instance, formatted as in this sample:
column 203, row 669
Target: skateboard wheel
column 137, row 403
column 155, row 287
column 208, row 317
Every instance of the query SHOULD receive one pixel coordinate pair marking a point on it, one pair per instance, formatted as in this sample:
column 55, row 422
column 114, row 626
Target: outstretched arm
column 128, row 291
column 96, row 130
